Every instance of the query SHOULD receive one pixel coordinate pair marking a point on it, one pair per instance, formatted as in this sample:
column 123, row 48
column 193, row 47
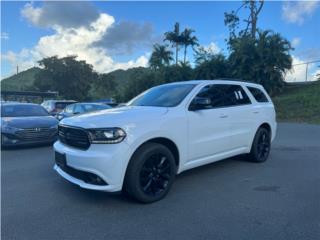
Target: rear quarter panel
column 266, row 109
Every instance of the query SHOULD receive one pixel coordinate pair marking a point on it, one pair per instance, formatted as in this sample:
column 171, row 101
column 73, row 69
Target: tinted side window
column 224, row 95
column 239, row 96
column 61, row 105
column 258, row 94
column 78, row 109
column 89, row 107
column 69, row 108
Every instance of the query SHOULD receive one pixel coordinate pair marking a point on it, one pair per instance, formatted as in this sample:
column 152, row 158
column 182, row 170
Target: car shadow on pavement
column 195, row 175
column 225, row 163
column 89, row 197
column 25, row 147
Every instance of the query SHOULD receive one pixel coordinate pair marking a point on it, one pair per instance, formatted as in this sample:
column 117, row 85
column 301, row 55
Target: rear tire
column 150, row 173
column 261, row 146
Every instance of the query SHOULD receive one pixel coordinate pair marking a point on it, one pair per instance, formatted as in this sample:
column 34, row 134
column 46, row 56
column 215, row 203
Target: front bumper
column 10, row 140
column 107, row 161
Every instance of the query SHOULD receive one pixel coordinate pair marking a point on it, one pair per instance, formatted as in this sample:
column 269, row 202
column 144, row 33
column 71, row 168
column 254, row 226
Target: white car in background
column 56, row 106
column 162, row 132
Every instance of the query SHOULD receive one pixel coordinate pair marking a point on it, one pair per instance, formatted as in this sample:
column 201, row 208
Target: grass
column 299, row 103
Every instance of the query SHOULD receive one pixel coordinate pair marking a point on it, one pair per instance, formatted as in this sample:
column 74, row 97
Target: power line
column 306, row 63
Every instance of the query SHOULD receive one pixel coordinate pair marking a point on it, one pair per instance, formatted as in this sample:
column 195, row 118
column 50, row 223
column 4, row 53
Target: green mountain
column 122, row 77
column 22, row 81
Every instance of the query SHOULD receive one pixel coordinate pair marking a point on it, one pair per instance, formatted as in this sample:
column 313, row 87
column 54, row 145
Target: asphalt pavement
column 230, row 199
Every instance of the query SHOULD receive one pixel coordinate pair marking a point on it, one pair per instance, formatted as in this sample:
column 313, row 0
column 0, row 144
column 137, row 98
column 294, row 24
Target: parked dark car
column 26, row 124
column 80, row 108
column 56, row 106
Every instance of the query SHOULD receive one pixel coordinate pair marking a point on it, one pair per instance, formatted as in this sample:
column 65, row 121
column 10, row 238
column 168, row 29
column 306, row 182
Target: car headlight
column 7, row 128
column 107, row 135
column 54, row 127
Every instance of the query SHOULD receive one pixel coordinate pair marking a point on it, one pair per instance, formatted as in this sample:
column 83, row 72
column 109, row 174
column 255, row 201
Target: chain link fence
column 304, row 72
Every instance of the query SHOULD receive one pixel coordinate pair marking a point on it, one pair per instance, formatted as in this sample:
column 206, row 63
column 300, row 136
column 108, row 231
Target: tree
column 256, row 55
column 213, row 68
column 203, row 54
column 188, row 40
column 70, row 77
column 103, row 87
column 176, row 73
column 263, row 60
column 139, row 82
column 160, row 56
column 175, row 39
column 232, row 19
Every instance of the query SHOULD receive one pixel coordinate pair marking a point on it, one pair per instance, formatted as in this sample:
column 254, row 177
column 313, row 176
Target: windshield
column 94, row 107
column 61, row 105
column 163, row 96
column 23, row 111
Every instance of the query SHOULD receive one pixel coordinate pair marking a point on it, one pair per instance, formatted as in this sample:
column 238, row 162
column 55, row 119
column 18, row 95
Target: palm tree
column 174, row 38
column 264, row 59
column 188, row 40
column 160, row 56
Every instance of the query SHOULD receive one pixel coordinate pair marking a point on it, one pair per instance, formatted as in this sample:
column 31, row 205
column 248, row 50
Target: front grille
column 75, row 137
column 36, row 134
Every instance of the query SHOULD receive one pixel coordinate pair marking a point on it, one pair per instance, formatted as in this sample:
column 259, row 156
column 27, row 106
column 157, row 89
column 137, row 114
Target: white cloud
column 295, row 42
column 212, row 48
column 21, row 59
column 316, row 75
column 4, row 36
column 122, row 37
column 126, row 36
column 74, row 41
column 62, row 13
column 298, row 71
column 139, row 62
column 31, row 13
column 296, row 12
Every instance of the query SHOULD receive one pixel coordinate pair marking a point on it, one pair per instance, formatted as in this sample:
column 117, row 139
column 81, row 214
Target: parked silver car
column 56, row 106
column 80, row 108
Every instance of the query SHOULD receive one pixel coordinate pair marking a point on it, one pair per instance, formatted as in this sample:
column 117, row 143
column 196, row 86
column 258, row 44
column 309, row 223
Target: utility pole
column 307, row 72
column 17, row 69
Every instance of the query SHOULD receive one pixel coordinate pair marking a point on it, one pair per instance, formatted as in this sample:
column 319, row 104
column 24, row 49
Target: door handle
column 223, row 116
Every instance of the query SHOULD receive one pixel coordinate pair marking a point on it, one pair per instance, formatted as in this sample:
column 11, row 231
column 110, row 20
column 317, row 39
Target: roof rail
column 234, row 79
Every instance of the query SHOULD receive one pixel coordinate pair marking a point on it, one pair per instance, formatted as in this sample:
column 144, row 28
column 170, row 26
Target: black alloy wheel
column 150, row 173
column 155, row 174
column 261, row 146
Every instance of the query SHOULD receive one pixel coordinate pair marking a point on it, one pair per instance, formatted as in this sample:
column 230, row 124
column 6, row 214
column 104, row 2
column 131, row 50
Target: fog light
column 5, row 139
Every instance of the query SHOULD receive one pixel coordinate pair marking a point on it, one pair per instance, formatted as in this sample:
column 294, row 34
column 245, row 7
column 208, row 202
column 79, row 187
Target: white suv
column 139, row 148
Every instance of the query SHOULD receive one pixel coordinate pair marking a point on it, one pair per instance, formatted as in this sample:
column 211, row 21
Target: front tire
column 150, row 173
column 261, row 146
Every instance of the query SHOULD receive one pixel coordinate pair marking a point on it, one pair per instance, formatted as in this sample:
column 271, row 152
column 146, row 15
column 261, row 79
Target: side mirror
column 199, row 103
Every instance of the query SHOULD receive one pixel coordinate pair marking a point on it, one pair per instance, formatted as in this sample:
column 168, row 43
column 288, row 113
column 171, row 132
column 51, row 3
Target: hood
column 115, row 117
column 29, row 122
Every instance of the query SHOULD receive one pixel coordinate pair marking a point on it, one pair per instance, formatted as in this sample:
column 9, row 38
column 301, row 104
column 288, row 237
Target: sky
column 119, row 35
